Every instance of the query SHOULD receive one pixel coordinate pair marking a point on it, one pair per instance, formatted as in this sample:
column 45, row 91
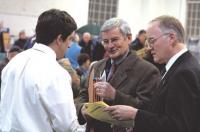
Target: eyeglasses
column 150, row 41
column 114, row 41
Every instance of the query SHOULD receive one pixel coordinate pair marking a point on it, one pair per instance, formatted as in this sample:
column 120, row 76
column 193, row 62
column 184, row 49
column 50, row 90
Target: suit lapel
column 100, row 68
column 119, row 76
column 176, row 64
column 121, row 73
column 171, row 71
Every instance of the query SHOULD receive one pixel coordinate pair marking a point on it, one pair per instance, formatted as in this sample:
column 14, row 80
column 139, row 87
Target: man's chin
column 113, row 56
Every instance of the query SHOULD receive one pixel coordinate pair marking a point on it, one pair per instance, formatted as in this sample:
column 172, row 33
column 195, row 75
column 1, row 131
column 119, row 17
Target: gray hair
column 171, row 24
column 116, row 23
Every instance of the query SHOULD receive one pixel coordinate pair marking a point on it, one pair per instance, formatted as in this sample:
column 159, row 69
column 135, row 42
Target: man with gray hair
column 176, row 104
column 129, row 79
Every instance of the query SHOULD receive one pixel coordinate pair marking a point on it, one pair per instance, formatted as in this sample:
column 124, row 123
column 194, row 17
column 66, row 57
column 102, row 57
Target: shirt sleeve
column 57, row 100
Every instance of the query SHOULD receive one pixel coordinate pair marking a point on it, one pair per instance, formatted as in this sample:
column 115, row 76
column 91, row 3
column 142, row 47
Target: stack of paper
column 95, row 110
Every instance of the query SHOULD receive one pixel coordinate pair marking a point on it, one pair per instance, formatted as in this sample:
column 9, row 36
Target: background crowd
column 153, row 81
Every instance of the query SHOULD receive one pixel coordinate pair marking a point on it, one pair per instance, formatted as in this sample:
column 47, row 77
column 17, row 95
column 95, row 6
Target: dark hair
column 141, row 32
column 52, row 23
column 15, row 48
column 82, row 58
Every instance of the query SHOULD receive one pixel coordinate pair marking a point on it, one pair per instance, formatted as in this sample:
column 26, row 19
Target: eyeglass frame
column 113, row 40
column 153, row 40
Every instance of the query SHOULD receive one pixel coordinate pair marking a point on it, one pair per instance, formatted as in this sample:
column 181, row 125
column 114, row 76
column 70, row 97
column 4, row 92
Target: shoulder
column 134, row 63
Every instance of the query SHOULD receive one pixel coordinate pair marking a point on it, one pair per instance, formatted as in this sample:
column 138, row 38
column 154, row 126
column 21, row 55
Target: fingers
column 110, row 108
column 100, row 88
column 113, row 111
column 100, row 85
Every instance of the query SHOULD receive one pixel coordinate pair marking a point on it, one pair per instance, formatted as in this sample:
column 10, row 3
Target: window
column 193, row 27
column 193, row 19
column 101, row 10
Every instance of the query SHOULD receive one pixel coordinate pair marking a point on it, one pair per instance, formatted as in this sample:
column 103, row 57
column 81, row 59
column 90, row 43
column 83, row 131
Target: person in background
column 36, row 91
column 139, row 42
column 82, row 70
column 65, row 63
column 99, row 50
column 73, row 51
column 87, row 44
column 13, row 51
column 84, row 64
column 176, row 104
column 29, row 43
column 129, row 79
column 21, row 40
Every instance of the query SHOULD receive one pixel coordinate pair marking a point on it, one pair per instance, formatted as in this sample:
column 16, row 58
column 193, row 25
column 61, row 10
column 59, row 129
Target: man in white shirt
column 176, row 104
column 36, row 94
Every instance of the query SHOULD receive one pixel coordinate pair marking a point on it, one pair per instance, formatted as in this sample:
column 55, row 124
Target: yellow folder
column 95, row 110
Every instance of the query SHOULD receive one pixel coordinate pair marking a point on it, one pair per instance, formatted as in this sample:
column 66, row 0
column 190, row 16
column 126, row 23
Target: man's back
column 33, row 91
column 179, row 92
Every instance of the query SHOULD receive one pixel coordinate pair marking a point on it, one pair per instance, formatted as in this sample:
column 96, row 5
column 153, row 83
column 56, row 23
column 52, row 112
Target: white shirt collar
column 45, row 49
column 174, row 58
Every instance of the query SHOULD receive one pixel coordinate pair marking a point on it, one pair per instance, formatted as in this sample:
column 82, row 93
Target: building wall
column 23, row 14
column 139, row 12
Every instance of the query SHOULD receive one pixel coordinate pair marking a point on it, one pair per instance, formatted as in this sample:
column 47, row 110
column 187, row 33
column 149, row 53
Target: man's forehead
column 111, row 32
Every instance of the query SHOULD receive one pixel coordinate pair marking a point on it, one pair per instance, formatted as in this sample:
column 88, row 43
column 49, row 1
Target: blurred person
column 139, row 42
column 4, row 38
column 73, row 51
column 21, row 40
column 87, row 44
column 86, row 38
column 99, row 50
column 13, row 51
column 30, row 42
column 65, row 63
column 84, row 64
column 129, row 79
column 36, row 91
column 82, row 70
column 176, row 104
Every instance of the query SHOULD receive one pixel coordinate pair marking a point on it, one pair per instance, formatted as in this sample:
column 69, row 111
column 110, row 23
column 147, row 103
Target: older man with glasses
column 176, row 104
column 129, row 79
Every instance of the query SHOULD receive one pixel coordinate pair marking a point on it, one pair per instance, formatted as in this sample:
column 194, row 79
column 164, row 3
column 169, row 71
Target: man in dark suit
column 176, row 104
column 131, row 83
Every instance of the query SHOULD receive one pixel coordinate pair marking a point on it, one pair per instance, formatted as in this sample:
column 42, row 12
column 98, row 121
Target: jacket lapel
column 121, row 73
column 176, row 64
column 100, row 68
column 171, row 71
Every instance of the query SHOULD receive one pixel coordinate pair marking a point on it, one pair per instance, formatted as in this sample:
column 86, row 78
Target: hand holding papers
column 95, row 110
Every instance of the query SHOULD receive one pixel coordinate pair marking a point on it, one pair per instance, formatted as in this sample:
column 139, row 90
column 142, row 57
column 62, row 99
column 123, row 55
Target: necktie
column 112, row 70
column 162, row 72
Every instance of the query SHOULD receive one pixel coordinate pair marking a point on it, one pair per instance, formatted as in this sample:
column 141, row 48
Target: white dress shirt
column 36, row 94
column 173, row 59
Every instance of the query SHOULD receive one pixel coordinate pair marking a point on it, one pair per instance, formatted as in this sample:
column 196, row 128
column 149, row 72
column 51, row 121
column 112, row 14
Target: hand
column 83, row 111
column 122, row 112
column 105, row 90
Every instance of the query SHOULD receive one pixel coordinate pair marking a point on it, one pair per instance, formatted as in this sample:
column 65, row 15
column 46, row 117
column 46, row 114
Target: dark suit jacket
column 135, row 81
column 176, row 105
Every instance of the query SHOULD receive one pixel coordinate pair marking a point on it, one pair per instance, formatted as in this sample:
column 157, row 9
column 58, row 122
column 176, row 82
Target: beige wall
column 139, row 12
column 23, row 14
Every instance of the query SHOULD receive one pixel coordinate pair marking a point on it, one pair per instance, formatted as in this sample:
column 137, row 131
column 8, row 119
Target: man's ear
column 129, row 37
column 172, row 38
column 59, row 39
